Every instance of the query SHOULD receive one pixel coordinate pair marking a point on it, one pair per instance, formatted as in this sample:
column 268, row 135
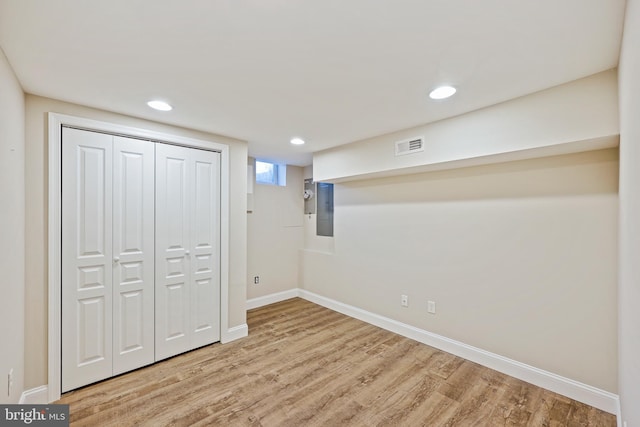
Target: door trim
column 56, row 121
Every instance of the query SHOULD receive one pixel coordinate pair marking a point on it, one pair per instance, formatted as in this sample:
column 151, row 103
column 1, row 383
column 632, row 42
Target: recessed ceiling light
column 442, row 92
column 297, row 141
column 160, row 105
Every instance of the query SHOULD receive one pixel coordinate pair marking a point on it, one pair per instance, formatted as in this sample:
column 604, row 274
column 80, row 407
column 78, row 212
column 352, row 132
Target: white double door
column 140, row 259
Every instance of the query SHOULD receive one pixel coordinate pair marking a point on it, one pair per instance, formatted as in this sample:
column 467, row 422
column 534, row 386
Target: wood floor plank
column 305, row 365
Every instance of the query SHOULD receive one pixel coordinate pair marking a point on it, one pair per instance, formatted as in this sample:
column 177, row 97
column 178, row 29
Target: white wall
column 12, row 226
column 577, row 116
column 520, row 257
column 37, row 214
column 275, row 235
column 629, row 298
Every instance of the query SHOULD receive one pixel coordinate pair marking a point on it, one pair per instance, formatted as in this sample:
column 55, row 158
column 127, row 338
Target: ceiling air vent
column 410, row 146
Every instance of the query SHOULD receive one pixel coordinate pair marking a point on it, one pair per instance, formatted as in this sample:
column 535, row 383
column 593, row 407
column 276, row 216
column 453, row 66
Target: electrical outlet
column 256, row 280
column 404, row 300
column 431, row 307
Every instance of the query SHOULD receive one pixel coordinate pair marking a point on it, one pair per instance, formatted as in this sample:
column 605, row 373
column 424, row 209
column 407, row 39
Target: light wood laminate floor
column 305, row 365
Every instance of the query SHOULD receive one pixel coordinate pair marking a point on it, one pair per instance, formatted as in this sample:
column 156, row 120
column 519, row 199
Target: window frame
column 279, row 174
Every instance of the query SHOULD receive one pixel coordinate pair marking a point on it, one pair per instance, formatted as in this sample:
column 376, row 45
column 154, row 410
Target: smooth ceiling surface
column 329, row 71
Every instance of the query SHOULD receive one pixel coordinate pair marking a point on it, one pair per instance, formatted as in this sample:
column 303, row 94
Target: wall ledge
column 571, row 147
column 580, row 115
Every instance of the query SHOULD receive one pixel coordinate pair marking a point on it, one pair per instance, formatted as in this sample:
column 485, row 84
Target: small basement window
column 271, row 173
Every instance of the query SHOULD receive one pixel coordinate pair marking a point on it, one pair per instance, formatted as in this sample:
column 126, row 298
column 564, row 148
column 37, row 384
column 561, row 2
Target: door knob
column 116, row 259
column 186, row 253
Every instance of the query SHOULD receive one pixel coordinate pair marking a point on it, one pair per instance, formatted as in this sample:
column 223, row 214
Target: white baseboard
column 35, row 396
column 272, row 298
column 235, row 333
column 575, row 390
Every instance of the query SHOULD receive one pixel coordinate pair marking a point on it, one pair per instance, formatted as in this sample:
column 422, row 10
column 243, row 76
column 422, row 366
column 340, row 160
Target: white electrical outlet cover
column 431, row 307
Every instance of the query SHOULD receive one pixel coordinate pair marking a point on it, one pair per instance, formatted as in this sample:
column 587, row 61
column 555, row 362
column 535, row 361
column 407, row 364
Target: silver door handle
column 116, row 259
column 186, row 253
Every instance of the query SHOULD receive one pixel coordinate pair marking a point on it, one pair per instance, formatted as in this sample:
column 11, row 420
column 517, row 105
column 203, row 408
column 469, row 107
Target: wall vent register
column 410, row 146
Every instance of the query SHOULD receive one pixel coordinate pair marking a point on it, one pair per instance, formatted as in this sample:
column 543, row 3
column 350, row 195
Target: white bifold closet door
column 133, row 249
column 140, row 253
column 187, row 225
column 107, row 256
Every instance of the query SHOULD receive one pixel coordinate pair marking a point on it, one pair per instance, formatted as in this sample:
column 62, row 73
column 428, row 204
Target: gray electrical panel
column 324, row 209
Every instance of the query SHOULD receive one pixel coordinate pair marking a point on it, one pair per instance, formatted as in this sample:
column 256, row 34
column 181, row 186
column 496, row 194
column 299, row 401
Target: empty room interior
column 321, row 212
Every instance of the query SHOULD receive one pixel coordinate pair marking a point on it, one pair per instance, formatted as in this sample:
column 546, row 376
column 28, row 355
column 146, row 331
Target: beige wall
column 629, row 315
column 577, row 116
column 520, row 258
column 36, row 215
column 275, row 235
column 12, row 225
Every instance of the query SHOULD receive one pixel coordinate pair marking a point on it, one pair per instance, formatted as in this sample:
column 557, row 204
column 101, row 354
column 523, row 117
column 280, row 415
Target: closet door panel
column 133, row 247
column 205, row 231
column 86, row 257
column 173, row 183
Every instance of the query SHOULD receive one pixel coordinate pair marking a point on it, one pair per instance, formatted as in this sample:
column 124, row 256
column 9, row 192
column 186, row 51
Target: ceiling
column 329, row 71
